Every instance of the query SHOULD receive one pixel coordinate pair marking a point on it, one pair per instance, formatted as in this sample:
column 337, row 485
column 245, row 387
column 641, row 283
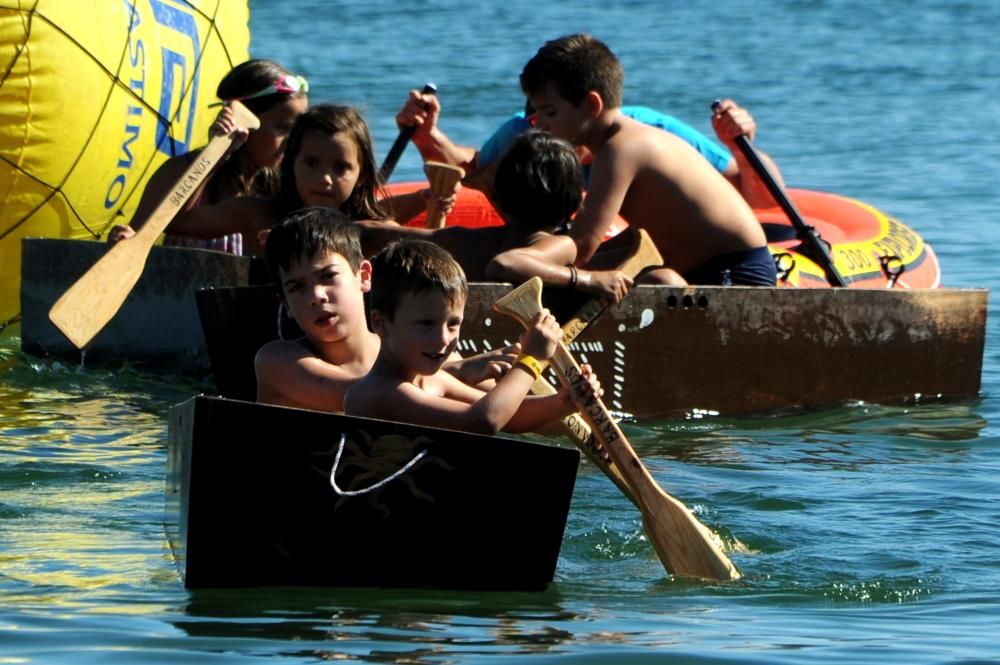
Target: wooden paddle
column 685, row 546
column 399, row 145
column 96, row 297
column 643, row 255
column 442, row 178
column 807, row 234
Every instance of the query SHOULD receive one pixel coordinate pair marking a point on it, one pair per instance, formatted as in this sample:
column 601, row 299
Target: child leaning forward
column 417, row 303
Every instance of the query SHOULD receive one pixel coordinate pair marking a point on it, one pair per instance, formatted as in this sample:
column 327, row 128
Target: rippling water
column 871, row 532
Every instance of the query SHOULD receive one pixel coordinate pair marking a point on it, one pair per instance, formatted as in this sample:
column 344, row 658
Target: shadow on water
column 412, row 625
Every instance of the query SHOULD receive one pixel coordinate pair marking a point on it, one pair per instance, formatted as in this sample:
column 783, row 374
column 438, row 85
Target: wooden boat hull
column 669, row 351
column 158, row 322
column 250, row 502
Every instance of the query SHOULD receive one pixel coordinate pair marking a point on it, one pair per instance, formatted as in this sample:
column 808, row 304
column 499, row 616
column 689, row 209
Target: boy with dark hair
column 315, row 258
column 417, row 302
column 704, row 229
column 539, row 187
column 539, row 184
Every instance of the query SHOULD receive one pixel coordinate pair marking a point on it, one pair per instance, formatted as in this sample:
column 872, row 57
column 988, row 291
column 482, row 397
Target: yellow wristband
column 531, row 364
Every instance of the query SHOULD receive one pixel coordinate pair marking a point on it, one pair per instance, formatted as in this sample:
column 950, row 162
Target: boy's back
column 700, row 223
column 660, row 183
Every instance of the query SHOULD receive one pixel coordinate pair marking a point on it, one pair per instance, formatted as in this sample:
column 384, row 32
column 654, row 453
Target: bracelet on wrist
column 531, row 364
column 573, row 274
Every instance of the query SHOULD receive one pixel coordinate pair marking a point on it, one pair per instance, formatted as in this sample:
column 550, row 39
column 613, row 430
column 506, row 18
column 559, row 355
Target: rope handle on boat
column 784, row 264
column 892, row 267
column 382, row 483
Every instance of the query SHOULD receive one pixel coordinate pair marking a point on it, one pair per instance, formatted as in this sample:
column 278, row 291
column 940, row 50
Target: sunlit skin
column 422, row 334
column 651, row 178
column 325, row 297
column 406, row 382
column 326, row 169
column 558, row 117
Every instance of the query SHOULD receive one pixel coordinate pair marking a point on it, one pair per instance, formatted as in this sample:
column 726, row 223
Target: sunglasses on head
column 288, row 84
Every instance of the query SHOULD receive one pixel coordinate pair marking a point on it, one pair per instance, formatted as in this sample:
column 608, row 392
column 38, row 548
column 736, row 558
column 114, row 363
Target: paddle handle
column 806, row 233
column 442, row 178
column 643, row 255
column 399, row 145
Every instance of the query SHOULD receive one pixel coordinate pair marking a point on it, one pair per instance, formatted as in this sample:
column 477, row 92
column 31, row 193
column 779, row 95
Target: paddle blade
column 93, row 300
column 685, row 545
column 442, row 178
column 523, row 302
column 244, row 117
column 645, row 255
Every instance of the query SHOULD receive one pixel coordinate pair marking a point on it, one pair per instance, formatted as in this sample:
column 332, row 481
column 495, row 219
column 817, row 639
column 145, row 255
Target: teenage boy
column 704, row 229
column 422, row 112
column 417, row 304
column 315, row 258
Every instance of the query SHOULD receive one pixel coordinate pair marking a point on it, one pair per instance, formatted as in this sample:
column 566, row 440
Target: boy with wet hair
column 417, row 303
column 315, row 258
column 704, row 229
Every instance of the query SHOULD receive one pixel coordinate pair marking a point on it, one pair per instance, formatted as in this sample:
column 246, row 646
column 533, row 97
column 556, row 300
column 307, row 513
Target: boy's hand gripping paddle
column 643, row 255
column 685, row 546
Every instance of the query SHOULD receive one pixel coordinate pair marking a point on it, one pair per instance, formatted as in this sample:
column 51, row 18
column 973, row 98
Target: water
column 873, row 529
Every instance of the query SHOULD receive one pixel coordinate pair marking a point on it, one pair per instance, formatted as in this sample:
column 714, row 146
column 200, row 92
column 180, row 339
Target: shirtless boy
column 704, row 229
column 315, row 258
column 417, row 304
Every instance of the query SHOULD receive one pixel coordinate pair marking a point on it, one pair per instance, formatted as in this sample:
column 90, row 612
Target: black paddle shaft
column 399, row 145
column 815, row 246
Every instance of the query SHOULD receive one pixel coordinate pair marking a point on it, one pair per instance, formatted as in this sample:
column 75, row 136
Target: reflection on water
column 410, row 626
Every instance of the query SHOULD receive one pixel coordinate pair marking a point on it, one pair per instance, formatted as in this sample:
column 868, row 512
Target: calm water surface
column 871, row 532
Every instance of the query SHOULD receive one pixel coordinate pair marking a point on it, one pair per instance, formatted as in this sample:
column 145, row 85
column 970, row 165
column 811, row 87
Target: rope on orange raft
column 892, row 267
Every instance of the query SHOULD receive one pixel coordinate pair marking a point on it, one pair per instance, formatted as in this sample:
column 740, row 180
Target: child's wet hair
column 308, row 232
column 414, row 266
column 575, row 65
column 332, row 119
column 539, row 181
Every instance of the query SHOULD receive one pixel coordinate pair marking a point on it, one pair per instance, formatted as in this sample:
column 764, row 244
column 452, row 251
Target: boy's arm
column 422, row 112
column 459, row 407
column 550, row 257
column 289, row 375
column 729, row 121
column 610, row 177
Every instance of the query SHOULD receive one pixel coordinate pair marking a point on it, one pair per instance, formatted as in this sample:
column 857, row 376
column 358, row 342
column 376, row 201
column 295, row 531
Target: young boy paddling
column 316, row 260
column 704, row 229
column 417, row 302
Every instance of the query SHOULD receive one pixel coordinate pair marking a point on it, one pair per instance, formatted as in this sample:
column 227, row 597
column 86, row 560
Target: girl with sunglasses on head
column 277, row 98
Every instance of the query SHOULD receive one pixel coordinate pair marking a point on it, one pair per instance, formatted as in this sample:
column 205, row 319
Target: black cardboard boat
column 251, row 503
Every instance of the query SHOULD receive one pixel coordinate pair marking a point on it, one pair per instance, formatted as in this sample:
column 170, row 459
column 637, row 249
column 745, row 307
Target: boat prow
column 262, row 495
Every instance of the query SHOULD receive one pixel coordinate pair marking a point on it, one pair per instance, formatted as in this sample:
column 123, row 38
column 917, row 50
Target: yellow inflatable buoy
column 94, row 95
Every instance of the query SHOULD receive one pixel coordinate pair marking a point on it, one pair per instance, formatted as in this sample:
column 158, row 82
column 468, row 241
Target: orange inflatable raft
column 870, row 248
